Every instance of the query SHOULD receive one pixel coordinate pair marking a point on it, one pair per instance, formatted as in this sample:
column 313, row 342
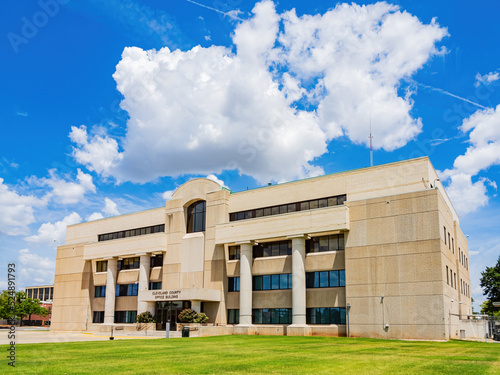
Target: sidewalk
column 32, row 335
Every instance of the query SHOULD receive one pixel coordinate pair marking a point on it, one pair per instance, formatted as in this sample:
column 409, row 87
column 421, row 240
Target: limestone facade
column 374, row 252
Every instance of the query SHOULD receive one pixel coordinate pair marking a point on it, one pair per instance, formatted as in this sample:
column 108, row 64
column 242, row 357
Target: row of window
column 464, row 288
column 125, row 289
column 263, row 282
column 325, row 279
column 463, row 259
column 316, row 315
column 333, row 242
column 320, row 279
column 130, row 263
column 43, row 294
column 326, row 315
column 131, row 232
column 451, row 240
column 452, row 276
column 120, row 316
column 287, row 208
column 325, row 243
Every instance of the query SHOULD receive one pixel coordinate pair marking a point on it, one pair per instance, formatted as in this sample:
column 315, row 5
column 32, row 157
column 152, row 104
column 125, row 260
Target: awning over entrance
column 193, row 294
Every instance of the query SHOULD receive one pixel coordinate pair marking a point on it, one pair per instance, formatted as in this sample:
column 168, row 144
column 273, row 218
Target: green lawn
column 256, row 355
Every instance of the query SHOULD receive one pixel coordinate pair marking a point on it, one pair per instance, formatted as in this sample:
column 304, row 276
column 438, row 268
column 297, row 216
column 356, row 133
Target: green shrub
column 191, row 316
column 187, row 316
column 201, row 318
column 145, row 317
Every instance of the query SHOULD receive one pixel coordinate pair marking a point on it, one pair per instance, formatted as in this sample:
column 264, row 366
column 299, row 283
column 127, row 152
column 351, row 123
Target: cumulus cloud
column 215, row 179
column 99, row 153
column 17, row 210
column 483, row 127
column 168, row 195
column 94, row 216
column 110, row 208
column 35, row 269
column 486, row 79
column 269, row 109
column 48, row 233
column 64, row 191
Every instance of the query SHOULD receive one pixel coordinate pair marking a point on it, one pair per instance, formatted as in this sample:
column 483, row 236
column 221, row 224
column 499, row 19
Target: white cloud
column 94, row 216
column 110, row 208
column 54, row 233
column 484, row 152
column 269, row 109
column 17, row 211
column 35, row 269
column 486, row 79
column 215, row 179
column 67, row 192
column 99, row 153
column 168, row 195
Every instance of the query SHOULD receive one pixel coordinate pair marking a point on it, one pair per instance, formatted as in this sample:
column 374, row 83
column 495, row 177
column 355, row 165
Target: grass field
column 256, row 355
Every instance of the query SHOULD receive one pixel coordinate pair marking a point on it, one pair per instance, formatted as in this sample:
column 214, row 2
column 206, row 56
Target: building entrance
column 169, row 312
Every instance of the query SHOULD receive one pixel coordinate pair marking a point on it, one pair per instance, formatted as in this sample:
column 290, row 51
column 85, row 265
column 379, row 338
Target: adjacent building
column 373, row 252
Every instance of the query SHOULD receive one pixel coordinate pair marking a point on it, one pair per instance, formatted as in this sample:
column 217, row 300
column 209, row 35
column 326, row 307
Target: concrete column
column 298, row 280
column 196, row 306
column 109, row 303
column 144, row 270
column 246, row 283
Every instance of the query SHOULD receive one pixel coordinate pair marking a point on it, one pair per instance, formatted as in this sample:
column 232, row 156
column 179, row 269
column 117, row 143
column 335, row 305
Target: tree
column 490, row 282
column 6, row 305
column 26, row 306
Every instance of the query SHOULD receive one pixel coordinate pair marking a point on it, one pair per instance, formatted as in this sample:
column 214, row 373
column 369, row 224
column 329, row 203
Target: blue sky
column 107, row 106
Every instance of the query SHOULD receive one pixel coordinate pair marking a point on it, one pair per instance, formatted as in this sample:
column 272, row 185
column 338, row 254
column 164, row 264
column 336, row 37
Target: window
column 128, row 263
column 233, row 284
column 155, row 285
column 449, row 242
column 157, row 260
column 52, row 293
column 444, row 228
column 125, row 290
column 125, row 316
column 30, row 293
column 272, row 316
column 325, row 279
column 325, row 243
column 98, row 317
column 455, row 279
column 196, row 217
column 101, row 266
column 35, row 293
column 447, row 276
column 453, row 245
column 272, row 282
column 451, row 277
column 131, row 232
column 270, row 249
column 100, row 291
column 326, row 315
column 233, row 316
column 288, row 208
column 234, row 252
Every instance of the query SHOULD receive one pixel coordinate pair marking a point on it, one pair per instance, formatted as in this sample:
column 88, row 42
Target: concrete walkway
column 32, row 335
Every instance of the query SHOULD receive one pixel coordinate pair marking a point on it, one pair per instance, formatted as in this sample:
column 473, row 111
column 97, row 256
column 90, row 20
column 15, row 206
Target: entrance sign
column 166, row 295
column 188, row 294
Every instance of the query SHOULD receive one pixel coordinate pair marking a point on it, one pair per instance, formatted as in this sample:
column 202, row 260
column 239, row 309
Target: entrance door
column 168, row 312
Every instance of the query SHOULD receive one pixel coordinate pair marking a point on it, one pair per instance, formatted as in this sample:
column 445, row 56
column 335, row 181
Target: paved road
column 29, row 335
